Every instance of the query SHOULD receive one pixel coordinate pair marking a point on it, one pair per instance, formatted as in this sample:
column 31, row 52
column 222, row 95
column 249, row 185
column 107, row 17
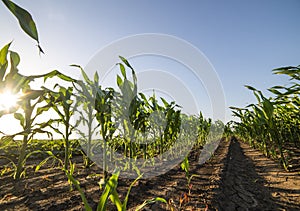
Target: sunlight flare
column 8, row 100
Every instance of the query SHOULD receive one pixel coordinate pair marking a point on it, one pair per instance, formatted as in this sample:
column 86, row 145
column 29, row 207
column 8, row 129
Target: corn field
column 96, row 135
column 273, row 124
column 130, row 131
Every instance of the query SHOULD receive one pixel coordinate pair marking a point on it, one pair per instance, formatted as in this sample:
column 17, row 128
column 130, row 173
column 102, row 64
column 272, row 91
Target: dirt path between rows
column 236, row 177
column 250, row 181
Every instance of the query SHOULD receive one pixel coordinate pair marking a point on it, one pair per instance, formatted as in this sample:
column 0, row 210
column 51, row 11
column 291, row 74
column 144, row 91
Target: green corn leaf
column 14, row 59
column 282, row 68
column 60, row 75
column 291, row 91
column 38, row 130
column 151, row 201
column 75, row 182
column 293, row 72
column 21, row 118
column 119, row 81
column 37, row 168
column 114, row 197
column 185, row 166
column 32, row 95
column 132, row 72
column 5, row 140
column 124, row 207
column 51, row 75
column 25, row 20
column 42, row 109
column 17, row 81
column 96, row 78
column 235, row 108
column 3, row 60
column 127, row 91
column 250, row 87
column 125, row 62
column 166, row 104
column 143, row 97
column 3, row 54
column 85, row 76
column 257, row 97
column 123, row 71
column 275, row 91
column 268, row 108
column 278, row 87
column 110, row 186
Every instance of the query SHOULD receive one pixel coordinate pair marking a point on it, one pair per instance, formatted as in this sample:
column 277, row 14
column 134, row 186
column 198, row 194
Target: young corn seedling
column 61, row 102
column 186, row 166
column 109, row 192
column 127, row 104
column 103, row 106
column 85, row 107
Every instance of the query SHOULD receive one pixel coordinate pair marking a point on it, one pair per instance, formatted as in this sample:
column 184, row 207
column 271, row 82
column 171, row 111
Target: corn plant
column 172, row 127
column 141, row 118
column 186, row 167
column 61, row 102
column 95, row 103
column 203, row 128
column 103, row 106
column 272, row 123
column 127, row 105
column 85, row 107
column 189, row 138
column 29, row 103
column 132, row 114
column 110, row 192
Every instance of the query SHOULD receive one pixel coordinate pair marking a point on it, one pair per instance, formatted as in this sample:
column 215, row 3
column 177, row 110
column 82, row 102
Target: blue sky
column 243, row 40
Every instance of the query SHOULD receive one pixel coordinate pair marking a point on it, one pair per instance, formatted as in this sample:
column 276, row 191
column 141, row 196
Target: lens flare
column 8, row 100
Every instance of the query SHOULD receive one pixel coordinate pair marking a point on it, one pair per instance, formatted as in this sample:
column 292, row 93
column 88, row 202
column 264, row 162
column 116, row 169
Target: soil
column 236, row 177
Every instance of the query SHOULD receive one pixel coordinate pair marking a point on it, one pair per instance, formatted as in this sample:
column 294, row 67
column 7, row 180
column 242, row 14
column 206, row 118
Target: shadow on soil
column 241, row 188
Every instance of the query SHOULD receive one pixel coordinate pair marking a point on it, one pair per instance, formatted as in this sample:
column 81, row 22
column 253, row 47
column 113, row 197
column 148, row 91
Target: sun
column 8, row 100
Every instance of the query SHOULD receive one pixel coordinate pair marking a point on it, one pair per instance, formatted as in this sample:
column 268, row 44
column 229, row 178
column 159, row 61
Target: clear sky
column 244, row 40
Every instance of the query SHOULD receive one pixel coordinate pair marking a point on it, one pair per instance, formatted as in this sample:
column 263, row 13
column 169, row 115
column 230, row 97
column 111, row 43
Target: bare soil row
column 236, row 177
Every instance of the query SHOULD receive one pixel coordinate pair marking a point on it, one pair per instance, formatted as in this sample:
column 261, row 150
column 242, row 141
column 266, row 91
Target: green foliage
column 30, row 103
column 151, row 201
column 3, row 62
column 61, row 102
column 85, row 108
column 272, row 123
column 185, row 166
column 76, row 183
column 25, row 20
column 125, row 119
column 109, row 192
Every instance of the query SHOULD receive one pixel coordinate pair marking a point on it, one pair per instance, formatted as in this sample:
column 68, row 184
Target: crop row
column 273, row 124
column 122, row 126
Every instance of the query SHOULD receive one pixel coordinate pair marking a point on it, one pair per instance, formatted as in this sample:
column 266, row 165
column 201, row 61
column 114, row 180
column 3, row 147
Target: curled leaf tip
column 40, row 49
